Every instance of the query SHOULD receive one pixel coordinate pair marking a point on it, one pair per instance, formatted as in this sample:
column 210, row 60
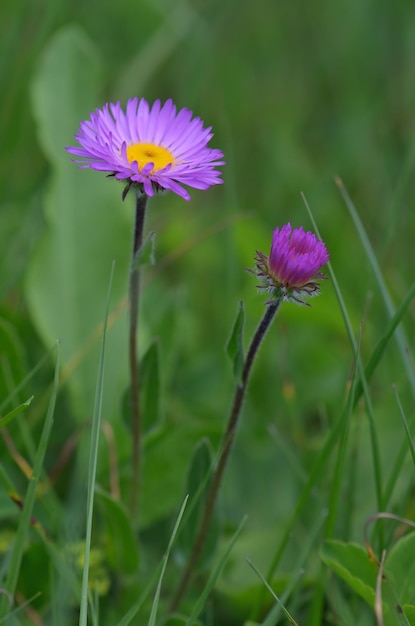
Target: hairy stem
column 140, row 210
column 226, row 446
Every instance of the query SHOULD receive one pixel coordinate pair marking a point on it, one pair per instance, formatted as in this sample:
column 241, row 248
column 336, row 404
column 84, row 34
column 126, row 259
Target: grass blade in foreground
column 200, row 603
column 270, row 620
column 399, row 336
column 126, row 620
column 24, row 522
column 153, row 615
column 8, row 418
column 93, row 458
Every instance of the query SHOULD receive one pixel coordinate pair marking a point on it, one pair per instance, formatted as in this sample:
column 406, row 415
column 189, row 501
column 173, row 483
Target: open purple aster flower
column 151, row 147
column 292, row 268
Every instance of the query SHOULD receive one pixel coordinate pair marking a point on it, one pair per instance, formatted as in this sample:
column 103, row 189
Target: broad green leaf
column 121, row 542
column 87, row 227
column 409, row 611
column 235, row 345
column 351, row 562
column 197, row 485
column 400, row 567
column 8, row 418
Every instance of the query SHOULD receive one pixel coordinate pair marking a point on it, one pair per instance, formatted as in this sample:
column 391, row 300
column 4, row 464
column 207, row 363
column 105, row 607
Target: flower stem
column 140, row 210
column 226, row 446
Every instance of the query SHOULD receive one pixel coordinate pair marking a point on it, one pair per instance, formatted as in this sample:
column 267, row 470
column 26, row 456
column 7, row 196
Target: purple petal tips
column 293, row 266
column 150, row 147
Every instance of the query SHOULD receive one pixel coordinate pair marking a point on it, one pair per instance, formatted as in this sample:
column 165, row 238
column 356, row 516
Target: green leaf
column 197, row 486
column 146, row 253
column 235, row 346
column 400, row 568
column 409, row 611
column 87, row 227
column 8, row 418
column 351, row 562
column 121, row 542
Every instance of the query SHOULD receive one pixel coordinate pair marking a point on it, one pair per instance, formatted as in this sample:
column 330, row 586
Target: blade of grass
column 8, row 418
column 372, row 423
column 154, row 608
column 396, row 317
column 200, row 602
column 339, row 428
column 128, row 617
column 270, row 620
column 24, row 521
column 333, row 279
column 335, row 489
column 399, row 335
column 298, row 567
column 316, row 473
column 26, row 379
column 405, row 423
column 377, row 466
column 93, row 459
column 20, row 608
column 384, row 341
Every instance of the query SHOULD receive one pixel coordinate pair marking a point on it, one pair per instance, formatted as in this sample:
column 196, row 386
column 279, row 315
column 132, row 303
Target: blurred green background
column 297, row 93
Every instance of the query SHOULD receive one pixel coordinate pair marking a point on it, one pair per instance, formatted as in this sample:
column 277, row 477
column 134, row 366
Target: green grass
column 314, row 99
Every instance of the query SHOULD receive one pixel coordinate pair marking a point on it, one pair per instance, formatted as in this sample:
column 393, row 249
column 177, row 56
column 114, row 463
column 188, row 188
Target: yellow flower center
column 145, row 153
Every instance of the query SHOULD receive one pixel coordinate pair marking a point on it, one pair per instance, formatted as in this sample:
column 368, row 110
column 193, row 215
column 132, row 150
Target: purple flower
column 154, row 148
column 292, row 268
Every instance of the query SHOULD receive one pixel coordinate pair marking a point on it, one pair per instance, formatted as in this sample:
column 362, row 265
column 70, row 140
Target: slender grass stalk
column 298, row 569
column 227, row 442
column 127, row 619
column 377, row 467
column 140, row 210
column 335, row 492
column 154, row 608
column 200, row 603
column 93, row 461
column 399, row 335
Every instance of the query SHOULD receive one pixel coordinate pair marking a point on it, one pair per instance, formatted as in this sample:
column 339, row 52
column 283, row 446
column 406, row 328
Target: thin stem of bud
column 226, row 446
